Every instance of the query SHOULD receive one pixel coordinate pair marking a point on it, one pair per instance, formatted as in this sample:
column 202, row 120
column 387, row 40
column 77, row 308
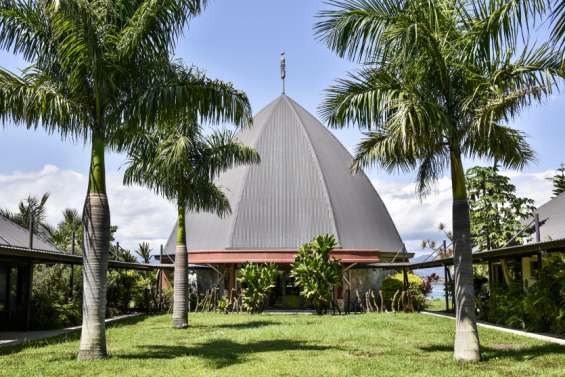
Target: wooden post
column 71, row 278
column 405, row 274
column 283, row 284
column 445, row 249
column 540, row 264
column 452, row 293
column 536, row 223
column 29, row 276
column 160, row 281
column 490, row 277
column 446, row 288
column 30, row 230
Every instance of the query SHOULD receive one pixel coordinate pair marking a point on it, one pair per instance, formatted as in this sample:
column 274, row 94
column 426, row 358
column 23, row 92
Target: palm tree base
column 180, row 324
column 466, row 347
column 84, row 355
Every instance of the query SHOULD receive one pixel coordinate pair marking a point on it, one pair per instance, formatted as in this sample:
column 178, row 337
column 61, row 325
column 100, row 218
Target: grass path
column 287, row 345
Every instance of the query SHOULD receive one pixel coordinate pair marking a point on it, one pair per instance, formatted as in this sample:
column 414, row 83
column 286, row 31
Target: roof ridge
column 552, row 200
column 247, row 168
column 362, row 172
column 319, row 169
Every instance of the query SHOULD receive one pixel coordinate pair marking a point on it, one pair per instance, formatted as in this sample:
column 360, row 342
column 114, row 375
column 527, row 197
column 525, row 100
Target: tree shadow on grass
column 222, row 353
column 70, row 336
column 246, row 325
column 63, row 338
column 507, row 351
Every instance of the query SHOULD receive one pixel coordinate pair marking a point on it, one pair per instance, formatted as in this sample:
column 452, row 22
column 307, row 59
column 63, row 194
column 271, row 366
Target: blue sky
column 240, row 41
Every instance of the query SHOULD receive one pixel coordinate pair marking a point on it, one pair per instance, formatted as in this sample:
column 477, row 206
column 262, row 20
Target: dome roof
column 302, row 187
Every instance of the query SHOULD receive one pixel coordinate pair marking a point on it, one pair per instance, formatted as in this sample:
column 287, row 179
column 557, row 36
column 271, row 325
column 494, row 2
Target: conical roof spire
column 302, row 187
column 283, row 70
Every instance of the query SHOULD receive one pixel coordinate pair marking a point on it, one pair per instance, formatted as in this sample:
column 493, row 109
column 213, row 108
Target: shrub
column 52, row 305
column 257, row 281
column 540, row 307
column 396, row 297
column 316, row 273
column 223, row 305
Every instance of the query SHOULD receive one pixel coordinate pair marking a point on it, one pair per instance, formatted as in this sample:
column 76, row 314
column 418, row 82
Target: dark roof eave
column 520, row 250
column 43, row 256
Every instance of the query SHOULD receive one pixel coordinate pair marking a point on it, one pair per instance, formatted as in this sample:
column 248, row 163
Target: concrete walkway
column 15, row 338
column 542, row 337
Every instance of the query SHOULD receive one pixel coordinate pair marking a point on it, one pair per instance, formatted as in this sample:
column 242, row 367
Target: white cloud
column 143, row 216
column 139, row 214
column 534, row 185
column 418, row 218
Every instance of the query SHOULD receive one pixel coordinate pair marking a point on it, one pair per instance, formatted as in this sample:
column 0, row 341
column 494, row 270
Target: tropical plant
column 223, row 305
column 539, row 307
column 31, row 209
column 178, row 162
column 66, row 237
column 150, row 294
column 558, row 181
column 440, row 80
column 257, row 281
column 51, row 304
column 316, row 272
column 496, row 211
column 144, row 252
column 410, row 298
column 101, row 72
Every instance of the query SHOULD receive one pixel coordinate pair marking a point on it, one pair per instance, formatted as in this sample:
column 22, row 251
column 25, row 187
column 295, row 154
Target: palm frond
column 503, row 144
column 154, row 25
column 380, row 148
column 497, row 25
column 558, row 20
column 206, row 196
column 35, row 99
column 356, row 28
column 362, row 99
column 183, row 93
column 23, row 29
column 507, row 87
column 222, row 152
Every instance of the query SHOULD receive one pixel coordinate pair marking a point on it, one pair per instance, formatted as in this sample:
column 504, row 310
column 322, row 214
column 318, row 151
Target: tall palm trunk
column 466, row 336
column 180, row 303
column 96, row 220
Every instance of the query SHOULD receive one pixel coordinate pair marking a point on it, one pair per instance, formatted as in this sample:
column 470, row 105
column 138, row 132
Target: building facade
column 302, row 187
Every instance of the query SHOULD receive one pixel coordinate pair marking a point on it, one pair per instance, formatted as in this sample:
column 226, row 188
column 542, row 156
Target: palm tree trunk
column 466, row 346
column 96, row 220
column 180, row 303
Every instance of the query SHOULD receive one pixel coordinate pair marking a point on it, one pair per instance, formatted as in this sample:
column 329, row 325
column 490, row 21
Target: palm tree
column 68, row 231
column 144, row 252
column 101, row 71
column 66, row 237
column 180, row 163
column 440, row 80
column 31, row 211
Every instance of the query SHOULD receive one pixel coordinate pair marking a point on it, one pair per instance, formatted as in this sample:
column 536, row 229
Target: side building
column 16, row 273
column 303, row 187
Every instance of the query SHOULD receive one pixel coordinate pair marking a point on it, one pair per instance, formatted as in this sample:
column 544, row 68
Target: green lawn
column 287, row 345
column 436, row 305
